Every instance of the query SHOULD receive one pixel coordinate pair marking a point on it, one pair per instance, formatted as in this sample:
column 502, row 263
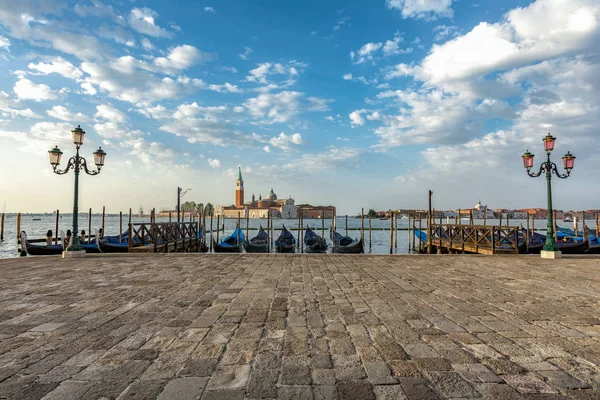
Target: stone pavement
column 299, row 327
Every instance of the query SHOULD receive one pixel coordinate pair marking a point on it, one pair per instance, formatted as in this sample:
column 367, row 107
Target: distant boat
column 36, row 219
column 259, row 243
column 314, row 243
column 567, row 219
column 286, row 242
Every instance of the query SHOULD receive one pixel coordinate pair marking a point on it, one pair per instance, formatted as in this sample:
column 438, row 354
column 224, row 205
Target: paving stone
column 223, row 395
column 355, row 390
column 417, row 389
column 183, row 388
column 230, row 377
column 323, row 377
column 563, row 380
column 47, row 327
column 263, row 383
column 68, row 390
column 451, row 384
column 325, row 392
column 389, row 392
column 528, row 384
column 477, row 373
column 295, row 393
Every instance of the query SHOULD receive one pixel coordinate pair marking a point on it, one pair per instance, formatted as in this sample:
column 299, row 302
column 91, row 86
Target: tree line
column 200, row 208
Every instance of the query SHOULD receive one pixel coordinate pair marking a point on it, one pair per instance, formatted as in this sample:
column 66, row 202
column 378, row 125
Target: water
column 380, row 243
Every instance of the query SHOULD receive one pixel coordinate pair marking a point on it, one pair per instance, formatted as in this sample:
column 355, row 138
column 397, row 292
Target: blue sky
column 351, row 103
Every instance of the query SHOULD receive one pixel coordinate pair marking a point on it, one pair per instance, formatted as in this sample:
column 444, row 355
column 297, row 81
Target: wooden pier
column 478, row 239
column 165, row 237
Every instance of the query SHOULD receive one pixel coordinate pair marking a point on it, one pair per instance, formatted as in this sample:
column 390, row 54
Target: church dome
column 272, row 195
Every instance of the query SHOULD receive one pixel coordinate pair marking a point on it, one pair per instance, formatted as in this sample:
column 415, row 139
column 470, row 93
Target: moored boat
column 345, row 244
column 40, row 249
column 313, row 242
column 233, row 243
column 259, row 243
column 286, row 243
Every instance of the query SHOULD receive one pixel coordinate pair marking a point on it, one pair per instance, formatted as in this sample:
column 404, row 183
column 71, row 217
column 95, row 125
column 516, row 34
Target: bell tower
column 239, row 190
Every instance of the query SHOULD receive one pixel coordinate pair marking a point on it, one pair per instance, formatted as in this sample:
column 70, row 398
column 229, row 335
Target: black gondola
column 314, row 243
column 345, row 244
column 286, row 243
column 259, row 243
column 39, row 249
column 564, row 245
column 233, row 243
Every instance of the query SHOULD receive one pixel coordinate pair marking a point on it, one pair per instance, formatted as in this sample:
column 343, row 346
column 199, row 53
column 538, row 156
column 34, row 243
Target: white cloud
column 365, row 53
column 261, row 73
column 112, row 130
column 246, row 54
column 442, row 32
column 155, row 112
column 4, row 42
column 327, row 160
column 225, row 88
column 97, row 9
column 181, row 58
column 62, row 113
column 347, row 77
column 59, row 66
column 423, row 9
column 142, row 20
column 109, row 113
column 214, row 163
column 147, row 44
column 542, row 30
column 209, row 9
column 28, row 90
column 392, row 47
column 280, row 107
column 267, row 149
column 356, row 118
column 286, row 142
column 319, row 104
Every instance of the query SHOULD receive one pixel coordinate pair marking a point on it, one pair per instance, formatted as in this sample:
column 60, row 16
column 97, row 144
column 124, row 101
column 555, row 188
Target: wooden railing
column 484, row 239
column 165, row 236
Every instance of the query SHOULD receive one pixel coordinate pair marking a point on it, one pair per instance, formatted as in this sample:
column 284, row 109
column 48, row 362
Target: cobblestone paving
column 299, row 327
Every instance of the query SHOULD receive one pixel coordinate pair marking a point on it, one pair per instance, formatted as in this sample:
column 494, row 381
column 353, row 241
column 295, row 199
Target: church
column 258, row 208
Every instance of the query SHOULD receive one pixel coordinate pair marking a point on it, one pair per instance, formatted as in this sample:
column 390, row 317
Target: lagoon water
column 36, row 226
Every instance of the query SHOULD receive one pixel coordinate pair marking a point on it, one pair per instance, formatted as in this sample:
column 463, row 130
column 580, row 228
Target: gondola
column 594, row 243
column 115, row 244
column 313, row 242
column 345, row 244
column 286, row 243
column 259, row 243
column 233, row 243
column 39, row 249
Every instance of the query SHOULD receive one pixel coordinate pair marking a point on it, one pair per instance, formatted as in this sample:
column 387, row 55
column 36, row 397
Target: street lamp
column 549, row 167
column 76, row 163
column 179, row 196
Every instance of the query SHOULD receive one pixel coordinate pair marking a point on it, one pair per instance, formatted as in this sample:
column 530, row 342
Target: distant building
column 262, row 207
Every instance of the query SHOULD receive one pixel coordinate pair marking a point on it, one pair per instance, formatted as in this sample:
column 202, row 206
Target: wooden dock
column 478, row 239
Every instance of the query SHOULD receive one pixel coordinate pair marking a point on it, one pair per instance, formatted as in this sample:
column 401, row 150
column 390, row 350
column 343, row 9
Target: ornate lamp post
column 76, row 163
column 549, row 167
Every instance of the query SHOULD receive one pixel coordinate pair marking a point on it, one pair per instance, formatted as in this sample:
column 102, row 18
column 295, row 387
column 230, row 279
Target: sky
column 349, row 103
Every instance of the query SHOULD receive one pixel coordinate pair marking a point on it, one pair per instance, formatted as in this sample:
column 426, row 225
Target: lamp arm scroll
column 83, row 167
column 535, row 175
column 558, row 174
column 70, row 165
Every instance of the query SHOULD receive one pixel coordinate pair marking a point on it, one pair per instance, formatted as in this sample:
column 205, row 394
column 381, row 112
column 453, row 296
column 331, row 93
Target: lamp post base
column 73, row 254
column 551, row 254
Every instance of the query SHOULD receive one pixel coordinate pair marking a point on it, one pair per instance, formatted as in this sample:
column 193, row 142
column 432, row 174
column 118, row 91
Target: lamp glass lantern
column 528, row 160
column 55, row 155
column 568, row 161
column 78, row 135
column 99, row 156
column 549, row 141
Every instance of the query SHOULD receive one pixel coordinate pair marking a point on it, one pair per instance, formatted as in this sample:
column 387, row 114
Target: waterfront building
column 270, row 204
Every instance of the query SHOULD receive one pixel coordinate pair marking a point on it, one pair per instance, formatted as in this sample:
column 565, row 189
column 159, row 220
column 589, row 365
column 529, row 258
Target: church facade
column 257, row 208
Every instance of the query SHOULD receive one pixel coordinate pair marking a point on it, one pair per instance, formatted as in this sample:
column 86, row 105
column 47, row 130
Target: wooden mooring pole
column 396, row 231
column 408, row 230
column 346, row 224
column 370, row 241
column 218, row 227
column 2, row 228
column 18, row 226
column 391, row 232
column 89, row 225
column 120, row 227
column 56, row 229
column 298, row 234
column 429, row 241
column 129, row 218
column 211, row 232
column 323, row 224
column 103, row 217
column 362, row 229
